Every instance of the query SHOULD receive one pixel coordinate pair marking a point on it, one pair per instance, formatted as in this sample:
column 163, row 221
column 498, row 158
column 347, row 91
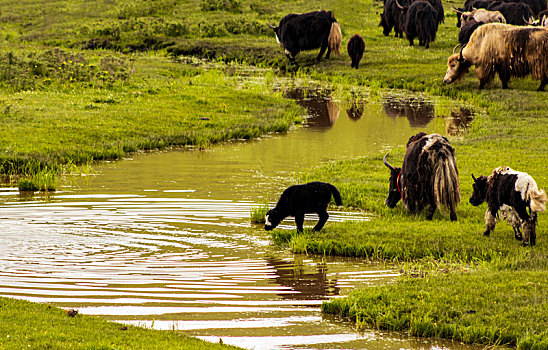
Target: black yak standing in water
column 428, row 176
column 297, row 200
column 355, row 49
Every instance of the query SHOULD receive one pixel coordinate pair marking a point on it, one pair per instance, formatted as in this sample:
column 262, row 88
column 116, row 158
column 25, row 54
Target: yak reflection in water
column 310, row 282
column 418, row 111
column 322, row 110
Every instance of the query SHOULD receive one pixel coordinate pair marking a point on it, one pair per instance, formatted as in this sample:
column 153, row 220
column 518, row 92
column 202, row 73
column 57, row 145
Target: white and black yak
column 504, row 49
column 297, row 200
column 308, row 31
column 510, row 193
column 355, row 49
column 428, row 176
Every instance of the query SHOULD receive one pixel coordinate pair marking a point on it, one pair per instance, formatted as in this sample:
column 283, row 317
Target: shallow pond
column 164, row 239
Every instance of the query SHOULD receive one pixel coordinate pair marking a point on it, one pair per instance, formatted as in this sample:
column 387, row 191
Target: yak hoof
column 487, row 233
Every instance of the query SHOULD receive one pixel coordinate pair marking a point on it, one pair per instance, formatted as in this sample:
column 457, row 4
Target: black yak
column 428, row 176
column 393, row 17
column 308, row 31
column 355, row 48
column 511, row 193
column 503, row 49
column 420, row 22
column 466, row 30
column 516, row 13
column 297, row 200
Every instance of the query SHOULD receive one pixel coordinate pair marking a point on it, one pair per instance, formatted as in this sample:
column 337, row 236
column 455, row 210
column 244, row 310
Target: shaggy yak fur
column 355, row 49
column 308, row 31
column 393, row 17
column 421, row 22
column 428, row 176
column 511, row 193
column 503, row 49
column 298, row 200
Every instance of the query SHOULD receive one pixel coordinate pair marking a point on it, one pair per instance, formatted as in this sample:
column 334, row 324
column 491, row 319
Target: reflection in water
column 322, row 110
column 418, row 111
column 459, row 121
column 355, row 111
column 164, row 240
column 309, row 284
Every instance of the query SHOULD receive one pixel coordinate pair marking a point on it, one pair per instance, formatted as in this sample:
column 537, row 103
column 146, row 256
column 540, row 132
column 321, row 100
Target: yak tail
column 538, row 199
column 446, row 181
column 336, row 194
column 335, row 38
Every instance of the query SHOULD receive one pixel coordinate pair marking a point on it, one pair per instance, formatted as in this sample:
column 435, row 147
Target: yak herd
column 429, row 178
column 504, row 37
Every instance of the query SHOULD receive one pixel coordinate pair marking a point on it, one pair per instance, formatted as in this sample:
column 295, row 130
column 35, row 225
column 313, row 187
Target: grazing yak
column 355, row 48
column 503, row 49
column 516, row 13
column 420, row 22
column 482, row 15
column 511, row 193
column 428, row 176
column 308, row 31
column 393, row 17
column 297, row 200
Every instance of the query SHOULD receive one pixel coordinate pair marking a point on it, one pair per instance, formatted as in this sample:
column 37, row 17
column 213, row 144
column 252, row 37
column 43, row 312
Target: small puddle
column 164, row 240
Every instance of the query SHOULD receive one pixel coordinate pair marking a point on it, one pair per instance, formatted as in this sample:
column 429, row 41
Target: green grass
column 82, row 81
column 258, row 213
column 26, row 325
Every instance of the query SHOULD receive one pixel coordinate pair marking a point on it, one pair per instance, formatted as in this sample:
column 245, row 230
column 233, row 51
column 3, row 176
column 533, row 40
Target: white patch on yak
column 432, row 139
column 524, row 182
column 267, row 221
column 287, row 52
column 278, row 40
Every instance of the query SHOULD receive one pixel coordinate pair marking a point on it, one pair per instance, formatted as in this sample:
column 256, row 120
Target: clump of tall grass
column 258, row 213
column 42, row 181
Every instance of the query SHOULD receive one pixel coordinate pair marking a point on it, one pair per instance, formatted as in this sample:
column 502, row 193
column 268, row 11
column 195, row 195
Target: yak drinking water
column 511, row 193
column 428, row 176
column 308, row 31
column 297, row 200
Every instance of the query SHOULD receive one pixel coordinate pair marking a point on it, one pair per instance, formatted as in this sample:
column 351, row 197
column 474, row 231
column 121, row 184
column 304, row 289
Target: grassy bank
column 84, row 81
column 26, row 325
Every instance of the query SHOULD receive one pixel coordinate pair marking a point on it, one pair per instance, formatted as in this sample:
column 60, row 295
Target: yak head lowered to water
column 394, row 193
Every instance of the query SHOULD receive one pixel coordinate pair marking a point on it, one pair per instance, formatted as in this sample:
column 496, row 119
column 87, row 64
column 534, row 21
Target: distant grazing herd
column 512, row 42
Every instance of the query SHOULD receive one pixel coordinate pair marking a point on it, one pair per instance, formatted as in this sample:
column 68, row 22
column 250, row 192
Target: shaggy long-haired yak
column 428, row 176
column 504, row 49
column 297, row 200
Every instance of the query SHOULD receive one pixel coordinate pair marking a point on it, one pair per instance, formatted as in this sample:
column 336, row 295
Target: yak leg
column 490, row 222
column 290, row 57
column 322, row 50
column 529, row 231
column 452, row 214
column 431, row 212
column 299, row 220
column 504, row 78
column 543, row 83
column 323, row 219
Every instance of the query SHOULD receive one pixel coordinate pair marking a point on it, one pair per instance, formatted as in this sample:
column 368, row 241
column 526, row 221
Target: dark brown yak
column 428, row 176
column 503, row 49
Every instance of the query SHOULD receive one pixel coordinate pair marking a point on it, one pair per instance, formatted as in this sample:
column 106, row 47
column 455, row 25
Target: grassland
column 82, row 81
column 28, row 325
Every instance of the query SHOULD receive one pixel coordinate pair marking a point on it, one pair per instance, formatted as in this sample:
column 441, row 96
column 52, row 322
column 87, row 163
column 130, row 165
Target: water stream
column 164, row 240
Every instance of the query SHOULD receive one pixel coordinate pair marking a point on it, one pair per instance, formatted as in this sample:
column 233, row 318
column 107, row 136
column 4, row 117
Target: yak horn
column 460, row 53
column 271, row 26
column 529, row 22
column 455, row 48
column 456, row 10
column 473, row 177
column 386, row 162
column 400, row 6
